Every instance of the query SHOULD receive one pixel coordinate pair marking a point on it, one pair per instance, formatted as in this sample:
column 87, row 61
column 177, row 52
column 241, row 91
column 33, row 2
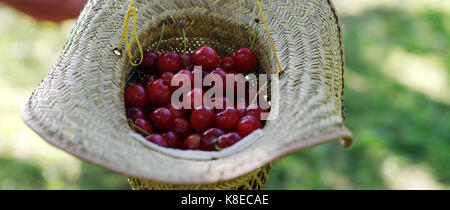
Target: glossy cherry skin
column 159, row 93
column 173, row 141
column 228, row 119
column 144, row 125
column 247, row 125
column 162, row 119
column 202, row 118
column 245, row 60
column 206, row 57
column 182, row 77
column 192, row 142
column 210, row 138
column 193, row 99
column 169, row 62
column 227, row 63
column 186, row 60
column 228, row 139
column 181, row 127
column 136, row 96
column 222, row 74
column 177, row 113
column 167, row 78
column 254, row 110
column 135, row 113
column 157, row 139
column 149, row 63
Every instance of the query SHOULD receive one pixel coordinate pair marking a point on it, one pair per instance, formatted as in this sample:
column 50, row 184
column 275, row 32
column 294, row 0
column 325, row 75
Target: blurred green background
column 397, row 99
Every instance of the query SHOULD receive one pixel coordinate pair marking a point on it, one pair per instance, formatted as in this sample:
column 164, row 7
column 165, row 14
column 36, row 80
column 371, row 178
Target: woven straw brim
column 79, row 106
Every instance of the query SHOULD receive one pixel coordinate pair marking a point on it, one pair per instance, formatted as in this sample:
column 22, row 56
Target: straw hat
column 79, row 107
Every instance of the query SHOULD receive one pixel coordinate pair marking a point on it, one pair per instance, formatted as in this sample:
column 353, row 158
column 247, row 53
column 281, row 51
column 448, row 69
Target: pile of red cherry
column 151, row 113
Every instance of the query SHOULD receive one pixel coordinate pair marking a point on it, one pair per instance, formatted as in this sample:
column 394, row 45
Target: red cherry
column 148, row 80
column 241, row 112
column 149, row 62
column 247, row 125
column 210, row 137
column 192, row 142
column 228, row 139
column 241, row 108
column 177, row 113
column 221, row 72
column 162, row 118
column 190, row 68
column 186, row 59
column 219, row 104
column 159, row 93
column 136, row 95
column 173, row 141
column 207, row 57
column 169, row 62
column 203, row 73
column 134, row 113
column 228, row 119
column 167, row 78
column 238, row 79
column 157, row 139
column 144, row 125
column 194, row 97
column 245, row 60
column 183, row 76
column 254, row 110
column 202, row 119
column 223, row 75
column 181, row 127
column 227, row 63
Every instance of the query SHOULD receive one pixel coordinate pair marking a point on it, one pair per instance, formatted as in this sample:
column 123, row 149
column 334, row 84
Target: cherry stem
column 216, row 145
column 184, row 40
column 256, row 34
column 134, row 127
column 162, row 33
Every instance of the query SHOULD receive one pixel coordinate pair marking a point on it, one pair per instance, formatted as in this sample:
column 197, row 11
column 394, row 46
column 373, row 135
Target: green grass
column 390, row 122
column 400, row 125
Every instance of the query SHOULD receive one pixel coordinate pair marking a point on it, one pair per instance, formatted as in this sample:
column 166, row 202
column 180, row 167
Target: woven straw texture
column 254, row 180
column 79, row 106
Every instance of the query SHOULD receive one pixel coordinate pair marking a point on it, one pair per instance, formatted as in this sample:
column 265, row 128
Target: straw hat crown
column 79, row 106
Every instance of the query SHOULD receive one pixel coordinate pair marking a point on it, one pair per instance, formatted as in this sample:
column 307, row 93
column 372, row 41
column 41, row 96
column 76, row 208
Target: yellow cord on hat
column 133, row 34
column 270, row 38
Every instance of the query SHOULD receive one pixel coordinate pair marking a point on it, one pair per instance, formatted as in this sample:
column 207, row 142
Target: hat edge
column 295, row 146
